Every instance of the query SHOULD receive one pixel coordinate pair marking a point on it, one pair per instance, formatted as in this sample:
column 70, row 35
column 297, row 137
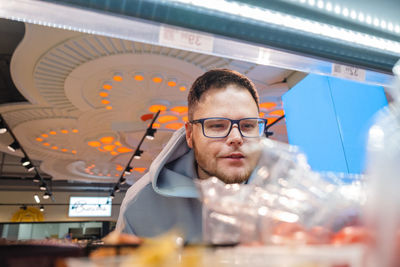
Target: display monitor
column 89, row 206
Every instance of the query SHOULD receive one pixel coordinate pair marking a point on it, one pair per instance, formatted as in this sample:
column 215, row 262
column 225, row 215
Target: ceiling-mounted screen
column 89, row 207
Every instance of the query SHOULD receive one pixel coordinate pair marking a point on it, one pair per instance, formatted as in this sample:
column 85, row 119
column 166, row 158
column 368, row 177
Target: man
column 217, row 141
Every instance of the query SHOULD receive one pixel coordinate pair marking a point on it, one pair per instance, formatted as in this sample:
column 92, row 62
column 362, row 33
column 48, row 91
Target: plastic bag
column 284, row 203
column 383, row 169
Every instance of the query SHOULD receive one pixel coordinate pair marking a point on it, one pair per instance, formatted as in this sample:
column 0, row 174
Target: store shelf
column 245, row 46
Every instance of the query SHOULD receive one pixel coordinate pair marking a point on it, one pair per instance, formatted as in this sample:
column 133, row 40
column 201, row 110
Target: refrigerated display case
column 308, row 37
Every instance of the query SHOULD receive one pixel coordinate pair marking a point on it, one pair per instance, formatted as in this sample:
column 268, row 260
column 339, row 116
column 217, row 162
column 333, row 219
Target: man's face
column 233, row 158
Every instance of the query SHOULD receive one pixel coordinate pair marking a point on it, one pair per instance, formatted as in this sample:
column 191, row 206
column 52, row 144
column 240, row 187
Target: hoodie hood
column 173, row 170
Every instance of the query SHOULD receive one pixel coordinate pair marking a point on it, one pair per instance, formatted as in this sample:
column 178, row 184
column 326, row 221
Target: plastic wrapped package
column 284, row 203
column 383, row 170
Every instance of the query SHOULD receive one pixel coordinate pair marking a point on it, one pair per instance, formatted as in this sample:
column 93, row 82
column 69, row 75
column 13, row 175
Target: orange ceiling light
column 156, row 125
column 117, row 77
column 185, row 118
column 157, row 79
column 103, row 94
column 109, row 147
column 124, row 149
column 261, row 114
column 94, row 143
column 182, row 88
column 74, row 130
column 107, row 139
column 138, row 77
column 155, row 108
column 117, row 143
column 268, row 105
column 180, row 109
column 64, row 131
column 171, row 83
column 140, row 169
column 119, row 168
column 278, row 112
column 53, row 132
column 174, row 126
column 146, row 117
column 271, row 120
column 107, row 86
column 73, row 151
column 105, row 101
column 109, row 107
column 113, row 153
column 54, row 147
column 64, row 150
column 45, row 135
column 167, row 118
column 39, row 139
column 46, row 144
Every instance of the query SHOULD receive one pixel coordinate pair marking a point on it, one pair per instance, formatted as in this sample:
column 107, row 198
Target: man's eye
column 217, row 126
column 248, row 126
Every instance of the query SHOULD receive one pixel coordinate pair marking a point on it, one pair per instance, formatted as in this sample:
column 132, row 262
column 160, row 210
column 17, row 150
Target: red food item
column 319, row 235
column 287, row 229
column 353, row 234
column 294, row 233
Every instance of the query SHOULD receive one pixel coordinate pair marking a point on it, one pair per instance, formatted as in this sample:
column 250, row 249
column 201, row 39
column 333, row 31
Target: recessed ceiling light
column 94, row 143
column 138, row 77
column 171, row 83
column 157, row 79
column 107, row 86
column 117, row 77
column 180, row 109
column 167, row 118
column 155, row 108
column 107, row 139
column 174, row 126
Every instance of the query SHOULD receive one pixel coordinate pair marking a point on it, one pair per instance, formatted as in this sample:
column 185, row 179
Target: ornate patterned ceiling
column 92, row 97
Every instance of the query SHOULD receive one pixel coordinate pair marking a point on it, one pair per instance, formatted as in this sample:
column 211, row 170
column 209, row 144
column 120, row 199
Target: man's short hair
column 218, row 79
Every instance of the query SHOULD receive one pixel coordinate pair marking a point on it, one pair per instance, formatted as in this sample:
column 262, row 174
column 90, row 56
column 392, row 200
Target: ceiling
column 79, row 104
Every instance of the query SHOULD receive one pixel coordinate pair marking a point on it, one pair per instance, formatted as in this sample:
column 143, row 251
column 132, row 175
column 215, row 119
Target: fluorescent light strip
column 292, row 22
column 389, row 26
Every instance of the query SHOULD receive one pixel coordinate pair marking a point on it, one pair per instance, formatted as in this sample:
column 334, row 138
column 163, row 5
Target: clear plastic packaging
column 284, row 203
column 383, row 172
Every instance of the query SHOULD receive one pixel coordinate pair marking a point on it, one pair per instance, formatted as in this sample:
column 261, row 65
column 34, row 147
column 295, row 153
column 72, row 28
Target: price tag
column 348, row 72
column 185, row 39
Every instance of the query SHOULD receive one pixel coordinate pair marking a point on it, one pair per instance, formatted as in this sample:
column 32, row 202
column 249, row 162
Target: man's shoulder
column 151, row 214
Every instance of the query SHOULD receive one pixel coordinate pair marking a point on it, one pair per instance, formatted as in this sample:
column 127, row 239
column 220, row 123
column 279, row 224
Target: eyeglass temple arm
column 267, row 133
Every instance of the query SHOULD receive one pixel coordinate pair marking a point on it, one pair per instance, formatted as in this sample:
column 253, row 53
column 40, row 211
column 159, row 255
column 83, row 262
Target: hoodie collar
column 173, row 170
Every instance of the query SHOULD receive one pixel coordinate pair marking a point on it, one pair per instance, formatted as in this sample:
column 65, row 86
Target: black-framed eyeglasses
column 218, row 127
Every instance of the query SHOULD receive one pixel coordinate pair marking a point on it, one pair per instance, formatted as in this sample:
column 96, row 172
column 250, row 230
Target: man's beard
column 203, row 163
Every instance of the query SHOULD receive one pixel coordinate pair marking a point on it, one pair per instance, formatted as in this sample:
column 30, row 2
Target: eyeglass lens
column 221, row 127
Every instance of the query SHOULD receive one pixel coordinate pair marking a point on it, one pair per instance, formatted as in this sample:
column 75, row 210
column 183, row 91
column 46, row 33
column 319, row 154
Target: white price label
column 263, row 56
column 348, row 72
column 185, row 39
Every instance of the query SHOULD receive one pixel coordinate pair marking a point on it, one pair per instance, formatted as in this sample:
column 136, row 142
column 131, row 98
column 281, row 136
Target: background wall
column 54, row 211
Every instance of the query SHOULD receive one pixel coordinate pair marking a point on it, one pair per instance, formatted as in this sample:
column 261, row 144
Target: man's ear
column 189, row 134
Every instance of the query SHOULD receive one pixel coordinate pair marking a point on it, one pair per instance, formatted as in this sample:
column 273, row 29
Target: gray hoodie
column 166, row 197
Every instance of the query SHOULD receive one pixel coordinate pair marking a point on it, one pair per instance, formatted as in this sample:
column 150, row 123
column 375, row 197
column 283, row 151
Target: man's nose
column 234, row 137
